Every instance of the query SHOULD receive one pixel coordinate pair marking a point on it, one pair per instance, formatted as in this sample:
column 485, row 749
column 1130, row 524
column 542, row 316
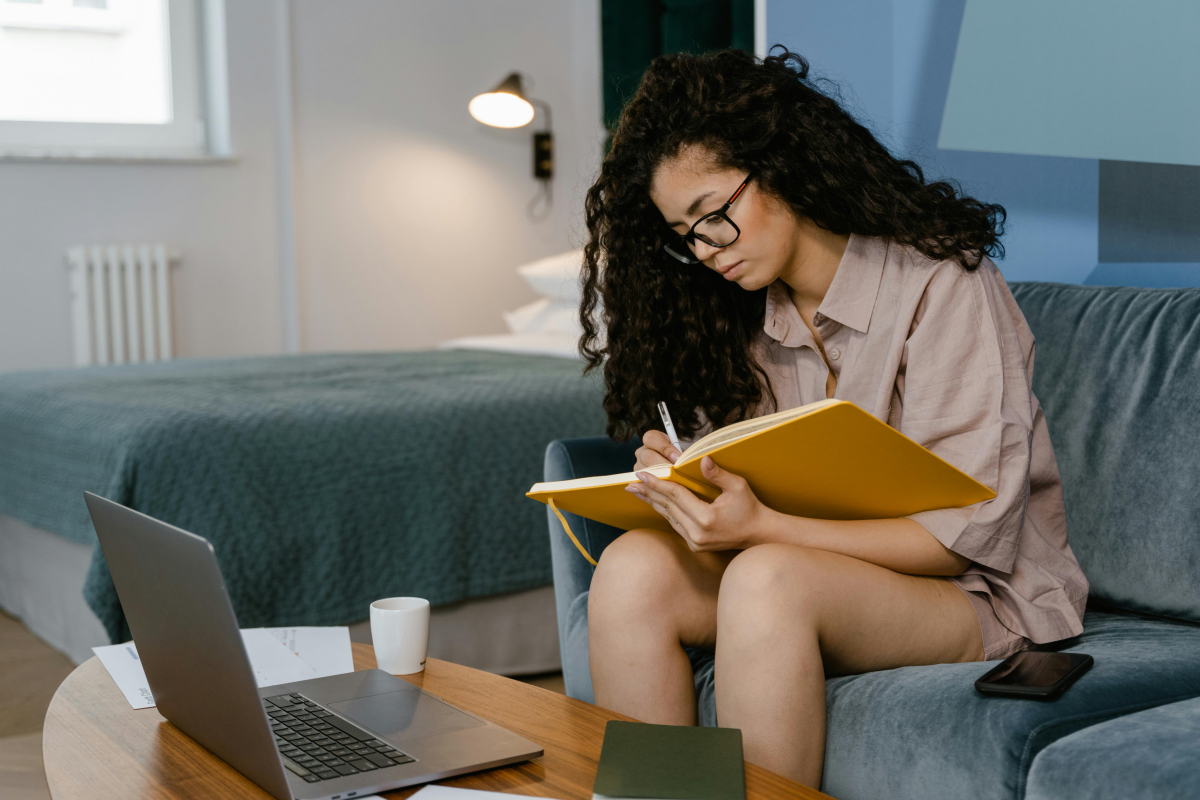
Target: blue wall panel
column 1110, row 79
column 1149, row 212
column 1169, row 275
column 848, row 41
column 899, row 88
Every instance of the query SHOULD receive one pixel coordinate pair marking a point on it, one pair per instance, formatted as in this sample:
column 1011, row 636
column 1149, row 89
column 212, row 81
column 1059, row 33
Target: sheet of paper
column 451, row 793
column 123, row 664
column 327, row 650
column 273, row 663
column 277, row 655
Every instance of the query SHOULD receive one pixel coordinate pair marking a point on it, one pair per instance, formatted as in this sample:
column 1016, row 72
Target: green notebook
column 670, row 762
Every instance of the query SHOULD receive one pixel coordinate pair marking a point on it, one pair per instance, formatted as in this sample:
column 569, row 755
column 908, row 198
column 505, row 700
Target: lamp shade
column 503, row 107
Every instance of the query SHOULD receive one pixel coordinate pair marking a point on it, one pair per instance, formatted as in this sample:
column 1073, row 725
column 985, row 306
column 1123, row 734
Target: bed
column 322, row 481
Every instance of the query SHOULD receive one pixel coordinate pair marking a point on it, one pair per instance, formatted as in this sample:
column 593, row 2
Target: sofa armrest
column 567, row 459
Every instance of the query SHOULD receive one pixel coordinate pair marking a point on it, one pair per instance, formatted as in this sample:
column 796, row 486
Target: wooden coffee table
column 96, row 746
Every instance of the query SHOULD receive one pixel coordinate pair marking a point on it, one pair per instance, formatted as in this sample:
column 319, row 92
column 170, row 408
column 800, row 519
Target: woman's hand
column 731, row 522
column 656, row 449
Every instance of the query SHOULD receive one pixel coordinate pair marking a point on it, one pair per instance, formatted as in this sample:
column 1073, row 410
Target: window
column 102, row 77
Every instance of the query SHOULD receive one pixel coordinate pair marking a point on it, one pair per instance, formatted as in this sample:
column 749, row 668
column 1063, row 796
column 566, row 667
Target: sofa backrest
column 1117, row 371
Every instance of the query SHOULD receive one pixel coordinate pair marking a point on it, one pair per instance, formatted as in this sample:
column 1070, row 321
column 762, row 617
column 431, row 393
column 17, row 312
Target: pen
column 666, row 418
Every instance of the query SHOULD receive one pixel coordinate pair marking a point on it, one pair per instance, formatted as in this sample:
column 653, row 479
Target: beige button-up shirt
column 945, row 356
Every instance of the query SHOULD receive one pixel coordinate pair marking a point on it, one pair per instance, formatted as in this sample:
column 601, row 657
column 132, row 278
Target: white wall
column 221, row 216
column 410, row 215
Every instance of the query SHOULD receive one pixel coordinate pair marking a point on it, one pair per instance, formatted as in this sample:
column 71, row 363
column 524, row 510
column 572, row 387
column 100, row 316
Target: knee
column 769, row 585
column 637, row 573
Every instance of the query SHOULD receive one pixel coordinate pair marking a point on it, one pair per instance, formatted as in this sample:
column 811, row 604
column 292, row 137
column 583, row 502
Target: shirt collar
column 781, row 320
column 850, row 299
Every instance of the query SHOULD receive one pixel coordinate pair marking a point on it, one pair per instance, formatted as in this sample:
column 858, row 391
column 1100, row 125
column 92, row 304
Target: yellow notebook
column 826, row 460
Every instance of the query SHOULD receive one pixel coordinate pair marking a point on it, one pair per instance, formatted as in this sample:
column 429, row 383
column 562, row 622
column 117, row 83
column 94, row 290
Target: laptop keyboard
column 318, row 745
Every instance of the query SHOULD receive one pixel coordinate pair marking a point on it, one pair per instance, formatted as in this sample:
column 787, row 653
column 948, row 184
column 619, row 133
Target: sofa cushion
column 1118, row 375
column 1151, row 755
column 567, row 459
column 577, row 671
column 924, row 732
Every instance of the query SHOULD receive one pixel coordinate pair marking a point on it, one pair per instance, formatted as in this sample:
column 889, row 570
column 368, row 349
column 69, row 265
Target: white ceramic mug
column 400, row 632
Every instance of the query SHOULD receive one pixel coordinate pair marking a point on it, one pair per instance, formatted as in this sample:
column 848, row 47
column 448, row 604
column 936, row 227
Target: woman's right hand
column 656, row 450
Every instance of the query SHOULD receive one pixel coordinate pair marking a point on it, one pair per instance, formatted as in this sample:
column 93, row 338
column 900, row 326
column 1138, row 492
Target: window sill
column 98, row 157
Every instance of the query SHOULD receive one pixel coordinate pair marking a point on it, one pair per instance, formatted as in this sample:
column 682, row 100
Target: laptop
column 338, row 737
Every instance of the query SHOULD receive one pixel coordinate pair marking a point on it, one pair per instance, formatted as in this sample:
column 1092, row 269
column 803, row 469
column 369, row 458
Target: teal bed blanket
column 323, row 481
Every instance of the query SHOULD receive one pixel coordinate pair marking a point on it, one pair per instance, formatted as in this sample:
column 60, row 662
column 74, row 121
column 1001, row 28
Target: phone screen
column 1033, row 669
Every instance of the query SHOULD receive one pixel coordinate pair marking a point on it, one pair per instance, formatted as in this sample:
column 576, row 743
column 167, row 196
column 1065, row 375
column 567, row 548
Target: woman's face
column 688, row 187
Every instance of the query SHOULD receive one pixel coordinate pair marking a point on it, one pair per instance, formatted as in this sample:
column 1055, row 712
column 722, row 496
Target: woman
column 755, row 249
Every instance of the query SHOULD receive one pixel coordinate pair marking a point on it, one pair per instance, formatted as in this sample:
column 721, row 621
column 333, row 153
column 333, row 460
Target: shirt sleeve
column 966, row 397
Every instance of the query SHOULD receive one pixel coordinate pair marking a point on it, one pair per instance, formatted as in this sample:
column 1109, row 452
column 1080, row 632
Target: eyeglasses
column 715, row 230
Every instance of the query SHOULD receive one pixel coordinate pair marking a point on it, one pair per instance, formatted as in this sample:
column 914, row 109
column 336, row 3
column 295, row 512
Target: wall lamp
column 506, row 106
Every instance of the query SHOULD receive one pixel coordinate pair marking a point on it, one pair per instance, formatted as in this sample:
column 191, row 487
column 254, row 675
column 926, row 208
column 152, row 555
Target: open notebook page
column 740, row 429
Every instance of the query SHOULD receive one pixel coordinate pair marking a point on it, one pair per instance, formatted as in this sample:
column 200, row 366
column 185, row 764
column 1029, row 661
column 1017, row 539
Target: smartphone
column 1034, row 674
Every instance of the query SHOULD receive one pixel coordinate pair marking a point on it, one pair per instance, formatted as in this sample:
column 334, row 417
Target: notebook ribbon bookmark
column 567, row 528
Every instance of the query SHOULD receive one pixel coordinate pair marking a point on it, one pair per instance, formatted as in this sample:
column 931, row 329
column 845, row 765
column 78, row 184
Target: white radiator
column 121, row 303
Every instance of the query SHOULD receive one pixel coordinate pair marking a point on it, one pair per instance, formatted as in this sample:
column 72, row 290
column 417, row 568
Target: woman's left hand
column 731, row 522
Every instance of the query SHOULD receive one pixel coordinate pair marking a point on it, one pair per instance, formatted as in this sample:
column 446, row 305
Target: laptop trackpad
column 405, row 715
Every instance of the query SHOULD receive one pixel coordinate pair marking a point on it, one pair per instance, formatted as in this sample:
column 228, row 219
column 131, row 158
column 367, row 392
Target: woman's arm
column 737, row 520
column 901, row 545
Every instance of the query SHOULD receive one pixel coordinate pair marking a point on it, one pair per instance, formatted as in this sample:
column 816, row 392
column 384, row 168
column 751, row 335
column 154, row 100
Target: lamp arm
column 545, row 108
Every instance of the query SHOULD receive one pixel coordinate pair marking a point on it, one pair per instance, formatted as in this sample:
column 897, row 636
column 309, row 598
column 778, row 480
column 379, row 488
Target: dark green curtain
column 634, row 32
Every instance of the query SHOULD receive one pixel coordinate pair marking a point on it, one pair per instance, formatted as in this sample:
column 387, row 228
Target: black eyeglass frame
column 687, row 239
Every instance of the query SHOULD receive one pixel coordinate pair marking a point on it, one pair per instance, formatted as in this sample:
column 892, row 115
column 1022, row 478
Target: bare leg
column 788, row 615
column 650, row 596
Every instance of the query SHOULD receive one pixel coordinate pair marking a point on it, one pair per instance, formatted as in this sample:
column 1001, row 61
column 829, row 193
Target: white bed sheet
column 41, row 583
column 536, row 344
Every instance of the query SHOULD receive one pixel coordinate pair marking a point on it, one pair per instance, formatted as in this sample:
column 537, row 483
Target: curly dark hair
column 683, row 334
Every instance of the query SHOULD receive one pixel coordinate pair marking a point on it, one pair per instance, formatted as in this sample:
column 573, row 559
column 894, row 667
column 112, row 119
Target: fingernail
column 674, row 456
column 642, row 476
column 708, row 462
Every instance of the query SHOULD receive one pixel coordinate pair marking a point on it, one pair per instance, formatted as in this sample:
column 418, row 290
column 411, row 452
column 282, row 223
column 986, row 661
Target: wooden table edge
column 86, row 756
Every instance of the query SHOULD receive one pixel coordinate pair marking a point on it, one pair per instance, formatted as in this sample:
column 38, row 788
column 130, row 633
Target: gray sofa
column 1118, row 374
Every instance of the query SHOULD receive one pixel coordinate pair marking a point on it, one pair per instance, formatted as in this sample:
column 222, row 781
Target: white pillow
column 545, row 316
column 556, row 277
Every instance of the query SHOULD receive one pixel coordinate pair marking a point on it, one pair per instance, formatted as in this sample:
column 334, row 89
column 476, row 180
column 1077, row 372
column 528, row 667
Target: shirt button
column 835, row 354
